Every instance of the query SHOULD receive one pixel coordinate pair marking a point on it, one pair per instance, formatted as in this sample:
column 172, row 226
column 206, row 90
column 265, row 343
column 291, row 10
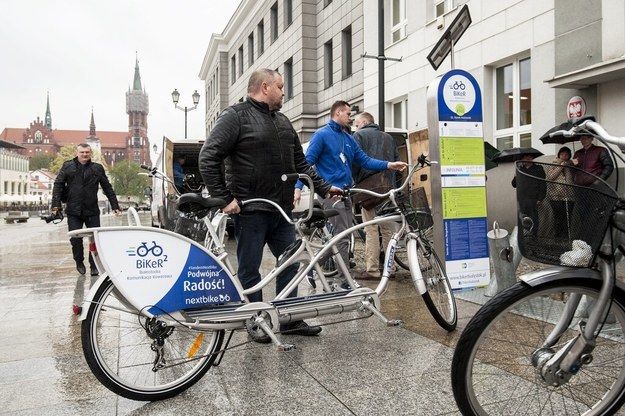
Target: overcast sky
column 83, row 53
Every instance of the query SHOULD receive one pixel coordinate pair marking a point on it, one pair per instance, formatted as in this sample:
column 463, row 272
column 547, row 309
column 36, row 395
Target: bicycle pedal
column 285, row 347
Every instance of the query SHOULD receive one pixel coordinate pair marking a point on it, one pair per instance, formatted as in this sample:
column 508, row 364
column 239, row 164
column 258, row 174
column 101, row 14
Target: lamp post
column 175, row 96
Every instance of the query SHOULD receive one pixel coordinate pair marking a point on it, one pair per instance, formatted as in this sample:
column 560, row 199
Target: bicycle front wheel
column 494, row 365
column 439, row 297
column 126, row 360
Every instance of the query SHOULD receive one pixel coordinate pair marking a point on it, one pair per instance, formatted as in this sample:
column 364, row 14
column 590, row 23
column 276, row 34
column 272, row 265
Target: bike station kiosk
column 454, row 103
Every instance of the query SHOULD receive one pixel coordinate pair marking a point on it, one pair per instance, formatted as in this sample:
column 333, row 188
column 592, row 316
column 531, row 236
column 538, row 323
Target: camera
column 55, row 217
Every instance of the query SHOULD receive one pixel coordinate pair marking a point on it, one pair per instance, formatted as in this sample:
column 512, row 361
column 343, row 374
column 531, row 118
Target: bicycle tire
column 118, row 350
column 401, row 255
column 328, row 265
column 439, row 297
column 492, row 370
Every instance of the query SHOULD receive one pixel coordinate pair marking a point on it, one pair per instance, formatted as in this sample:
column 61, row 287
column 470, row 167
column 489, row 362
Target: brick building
column 39, row 138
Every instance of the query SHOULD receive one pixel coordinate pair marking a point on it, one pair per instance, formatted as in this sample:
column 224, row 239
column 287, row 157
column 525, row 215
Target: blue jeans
column 253, row 230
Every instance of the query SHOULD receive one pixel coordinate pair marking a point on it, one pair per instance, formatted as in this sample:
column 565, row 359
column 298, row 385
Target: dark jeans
column 75, row 222
column 253, row 230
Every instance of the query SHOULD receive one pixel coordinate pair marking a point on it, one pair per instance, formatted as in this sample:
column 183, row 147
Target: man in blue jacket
column 332, row 151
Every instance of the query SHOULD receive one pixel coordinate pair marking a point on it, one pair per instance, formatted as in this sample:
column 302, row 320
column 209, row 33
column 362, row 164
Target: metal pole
column 381, row 59
column 185, row 121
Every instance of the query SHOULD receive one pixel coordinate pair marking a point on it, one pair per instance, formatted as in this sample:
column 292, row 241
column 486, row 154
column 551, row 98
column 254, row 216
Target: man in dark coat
column 77, row 183
column 257, row 144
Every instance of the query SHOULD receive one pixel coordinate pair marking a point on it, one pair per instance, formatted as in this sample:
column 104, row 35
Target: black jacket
column 258, row 146
column 81, row 182
column 378, row 145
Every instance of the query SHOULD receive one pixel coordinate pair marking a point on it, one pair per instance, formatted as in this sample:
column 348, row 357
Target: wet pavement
column 355, row 367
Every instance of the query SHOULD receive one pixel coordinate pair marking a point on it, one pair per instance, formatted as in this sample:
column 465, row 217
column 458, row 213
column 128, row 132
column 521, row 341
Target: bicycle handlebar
column 153, row 171
column 592, row 128
column 422, row 162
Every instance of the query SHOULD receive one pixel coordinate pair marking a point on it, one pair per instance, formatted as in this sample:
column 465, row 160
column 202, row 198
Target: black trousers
column 75, row 222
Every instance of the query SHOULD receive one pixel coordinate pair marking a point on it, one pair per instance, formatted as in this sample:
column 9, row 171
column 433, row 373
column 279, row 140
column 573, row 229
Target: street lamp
column 175, row 96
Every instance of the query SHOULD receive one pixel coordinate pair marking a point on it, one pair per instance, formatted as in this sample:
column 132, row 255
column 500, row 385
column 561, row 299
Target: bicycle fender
column 415, row 269
column 87, row 302
column 559, row 273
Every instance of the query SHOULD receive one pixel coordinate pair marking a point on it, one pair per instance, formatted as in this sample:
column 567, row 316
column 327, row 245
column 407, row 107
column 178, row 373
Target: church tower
column 137, row 108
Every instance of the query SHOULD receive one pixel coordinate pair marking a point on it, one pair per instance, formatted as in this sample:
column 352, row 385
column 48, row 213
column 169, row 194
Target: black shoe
column 94, row 271
column 81, row 267
column 299, row 328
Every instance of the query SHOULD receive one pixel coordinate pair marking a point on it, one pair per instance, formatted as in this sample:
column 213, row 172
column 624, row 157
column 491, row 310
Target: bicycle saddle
column 189, row 202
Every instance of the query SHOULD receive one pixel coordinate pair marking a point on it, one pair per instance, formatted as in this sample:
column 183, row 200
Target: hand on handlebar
column 399, row 165
column 337, row 193
column 233, row 207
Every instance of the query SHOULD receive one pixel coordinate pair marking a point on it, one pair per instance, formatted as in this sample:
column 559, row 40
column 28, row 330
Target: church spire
column 92, row 125
column 136, row 86
column 48, row 120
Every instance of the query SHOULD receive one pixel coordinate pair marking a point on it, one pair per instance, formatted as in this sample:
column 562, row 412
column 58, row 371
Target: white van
column 163, row 205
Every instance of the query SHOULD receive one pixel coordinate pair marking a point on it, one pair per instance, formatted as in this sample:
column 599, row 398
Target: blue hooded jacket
column 324, row 152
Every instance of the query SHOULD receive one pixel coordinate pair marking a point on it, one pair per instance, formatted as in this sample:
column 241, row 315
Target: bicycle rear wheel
column 439, row 297
column 494, row 370
column 122, row 355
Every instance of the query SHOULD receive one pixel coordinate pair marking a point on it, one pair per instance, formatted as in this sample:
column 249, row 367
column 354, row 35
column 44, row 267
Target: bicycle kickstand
column 366, row 304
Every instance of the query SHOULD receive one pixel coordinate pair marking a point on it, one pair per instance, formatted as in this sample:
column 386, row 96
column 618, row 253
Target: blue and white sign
column 460, row 140
column 161, row 272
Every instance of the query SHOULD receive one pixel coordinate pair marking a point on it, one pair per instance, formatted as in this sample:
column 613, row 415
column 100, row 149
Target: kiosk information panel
column 459, row 141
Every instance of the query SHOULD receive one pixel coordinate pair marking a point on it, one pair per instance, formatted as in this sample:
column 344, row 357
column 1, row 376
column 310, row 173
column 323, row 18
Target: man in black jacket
column 79, row 179
column 258, row 145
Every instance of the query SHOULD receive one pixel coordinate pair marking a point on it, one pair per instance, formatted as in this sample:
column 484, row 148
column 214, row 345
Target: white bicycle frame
column 234, row 315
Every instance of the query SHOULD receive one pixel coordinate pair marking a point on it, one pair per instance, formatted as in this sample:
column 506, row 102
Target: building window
column 513, row 101
column 400, row 114
column 328, row 63
column 288, row 13
column 273, row 14
column 250, row 50
column 398, row 22
column 261, row 38
column 38, row 137
column 288, row 79
column 240, row 58
column 233, row 68
column 443, row 6
column 346, row 56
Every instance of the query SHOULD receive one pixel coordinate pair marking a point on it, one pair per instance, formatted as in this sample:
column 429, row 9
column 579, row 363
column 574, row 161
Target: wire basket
column 190, row 226
column 416, row 208
column 560, row 222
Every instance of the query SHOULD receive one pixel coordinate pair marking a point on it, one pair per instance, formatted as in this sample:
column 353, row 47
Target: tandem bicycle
column 164, row 310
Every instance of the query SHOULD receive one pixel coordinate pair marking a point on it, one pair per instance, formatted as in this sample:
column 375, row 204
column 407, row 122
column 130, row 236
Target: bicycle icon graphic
column 458, row 85
column 143, row 249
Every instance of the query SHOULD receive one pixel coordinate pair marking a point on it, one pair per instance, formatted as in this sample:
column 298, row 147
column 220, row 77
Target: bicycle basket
column 416, row 208
column 559, row 222
column 190, row 226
